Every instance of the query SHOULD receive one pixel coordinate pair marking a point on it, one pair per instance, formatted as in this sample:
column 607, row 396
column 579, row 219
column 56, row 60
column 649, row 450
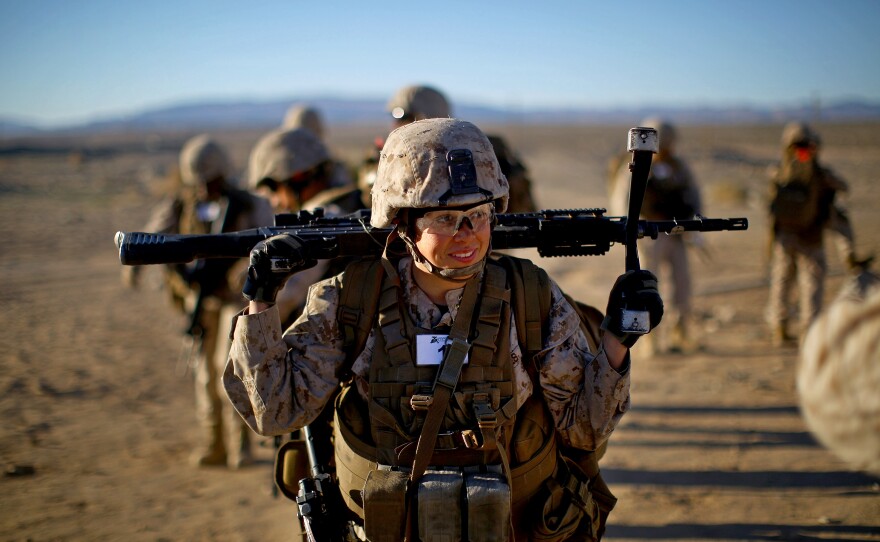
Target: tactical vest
column 799, row 204
column 209, row 274
column 550, row 495
column 482, row 396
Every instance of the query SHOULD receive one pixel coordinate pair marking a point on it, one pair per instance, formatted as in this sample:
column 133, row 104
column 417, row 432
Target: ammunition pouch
column 385, row 505
column 438, row 496
column 550, row 497
column 488, row 506
column 355, row 456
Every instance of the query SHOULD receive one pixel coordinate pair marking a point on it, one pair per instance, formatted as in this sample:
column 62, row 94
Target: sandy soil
column 97, row 417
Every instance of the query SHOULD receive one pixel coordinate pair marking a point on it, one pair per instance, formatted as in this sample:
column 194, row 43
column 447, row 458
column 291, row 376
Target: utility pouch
column 385, row 506
column 565, row 507
column 488, row 507
column 439, row 501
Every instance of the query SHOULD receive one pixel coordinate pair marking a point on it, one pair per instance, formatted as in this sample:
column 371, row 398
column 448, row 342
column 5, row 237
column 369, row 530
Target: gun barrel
column 673, row 227
column 138, row 248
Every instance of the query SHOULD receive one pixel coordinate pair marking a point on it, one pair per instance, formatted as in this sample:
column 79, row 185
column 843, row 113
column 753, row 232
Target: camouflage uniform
column 226, row 437
column 672, row 192
column 266, row 368
column 799, row 254
column 280, row 156
column 282, row 380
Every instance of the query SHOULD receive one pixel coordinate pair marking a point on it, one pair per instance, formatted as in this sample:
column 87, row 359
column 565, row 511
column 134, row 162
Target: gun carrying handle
column 643, row 143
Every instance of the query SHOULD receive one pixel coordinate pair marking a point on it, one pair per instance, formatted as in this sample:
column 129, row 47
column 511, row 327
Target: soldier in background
column 672, row 192
column 308, row 117
column 802, row 206
column 293, row 169
column 207, row 290
column 417, row 102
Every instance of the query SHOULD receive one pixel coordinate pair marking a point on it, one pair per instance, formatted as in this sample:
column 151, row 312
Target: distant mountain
column 10, row 127
column 266, row 114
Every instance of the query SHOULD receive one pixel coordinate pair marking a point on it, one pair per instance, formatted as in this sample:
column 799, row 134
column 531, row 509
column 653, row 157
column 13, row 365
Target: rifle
column 320, row 507
column 210, row 275
column 563, row 232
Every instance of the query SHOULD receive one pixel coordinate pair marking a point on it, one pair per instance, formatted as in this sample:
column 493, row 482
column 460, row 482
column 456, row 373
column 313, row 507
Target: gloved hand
column 633, row 291
column 272, row 262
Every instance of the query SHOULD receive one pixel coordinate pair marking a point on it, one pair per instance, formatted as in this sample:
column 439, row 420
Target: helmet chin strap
column 458, row 274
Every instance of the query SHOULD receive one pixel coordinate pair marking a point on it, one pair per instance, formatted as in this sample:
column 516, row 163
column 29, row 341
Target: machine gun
column 573, row 232
column 319, row 503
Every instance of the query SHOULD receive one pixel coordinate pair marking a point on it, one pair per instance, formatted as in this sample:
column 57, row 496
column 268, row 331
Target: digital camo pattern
column 413, row 171
column 279, row 383
column 839, row 377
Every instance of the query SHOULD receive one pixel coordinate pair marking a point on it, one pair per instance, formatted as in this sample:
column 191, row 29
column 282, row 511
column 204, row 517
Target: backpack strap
column 578, row 474
column 358, row 303
column 530, row 301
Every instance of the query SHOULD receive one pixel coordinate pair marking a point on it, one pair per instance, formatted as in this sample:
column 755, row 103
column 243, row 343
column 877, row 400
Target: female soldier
column 444, row 428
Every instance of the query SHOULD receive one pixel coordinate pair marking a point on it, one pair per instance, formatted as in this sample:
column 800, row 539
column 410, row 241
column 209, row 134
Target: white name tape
column 431, row 348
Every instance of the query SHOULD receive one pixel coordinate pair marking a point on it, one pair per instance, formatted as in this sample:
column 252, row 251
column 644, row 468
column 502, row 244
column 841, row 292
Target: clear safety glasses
column 448, row 222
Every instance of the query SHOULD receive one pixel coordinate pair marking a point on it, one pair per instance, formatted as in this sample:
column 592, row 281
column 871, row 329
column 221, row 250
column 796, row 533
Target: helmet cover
column 414, row 169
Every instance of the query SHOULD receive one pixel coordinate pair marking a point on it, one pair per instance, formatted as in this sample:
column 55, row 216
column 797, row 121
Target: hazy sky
column 67, row 61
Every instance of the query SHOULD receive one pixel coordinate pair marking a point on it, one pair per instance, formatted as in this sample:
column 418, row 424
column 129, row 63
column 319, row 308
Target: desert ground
column 97, row 415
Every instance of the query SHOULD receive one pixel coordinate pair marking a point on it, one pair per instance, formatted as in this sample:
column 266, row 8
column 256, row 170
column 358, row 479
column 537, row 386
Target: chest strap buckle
column 421, row 401
column 486, row 417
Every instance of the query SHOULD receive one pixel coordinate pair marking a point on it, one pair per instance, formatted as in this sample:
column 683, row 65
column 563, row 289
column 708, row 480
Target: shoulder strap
column 530, row 301
column 447, row 378
column 358, row 301
column 531, row 298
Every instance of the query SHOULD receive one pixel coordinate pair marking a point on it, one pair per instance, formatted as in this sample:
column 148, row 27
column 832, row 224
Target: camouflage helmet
column 414, row 171
column 303, row 116
column 281, row 154
column 203, row 160
column 796, row 133
column 666, row 132
column 418, row 102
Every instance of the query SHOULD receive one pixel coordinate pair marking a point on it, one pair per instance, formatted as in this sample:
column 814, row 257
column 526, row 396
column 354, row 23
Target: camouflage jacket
column 281, row 382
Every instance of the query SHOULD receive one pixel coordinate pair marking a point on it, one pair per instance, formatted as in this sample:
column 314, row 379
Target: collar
column 426, row 315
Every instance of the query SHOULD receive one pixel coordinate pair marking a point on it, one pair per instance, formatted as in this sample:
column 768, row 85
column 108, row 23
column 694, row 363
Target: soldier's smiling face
column 465, row 247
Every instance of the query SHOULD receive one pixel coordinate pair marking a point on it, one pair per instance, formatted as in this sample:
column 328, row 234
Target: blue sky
column 66, row 62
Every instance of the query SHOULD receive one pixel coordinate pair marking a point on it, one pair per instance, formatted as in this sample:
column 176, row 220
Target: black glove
column 272, row 262
column 633, row 291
